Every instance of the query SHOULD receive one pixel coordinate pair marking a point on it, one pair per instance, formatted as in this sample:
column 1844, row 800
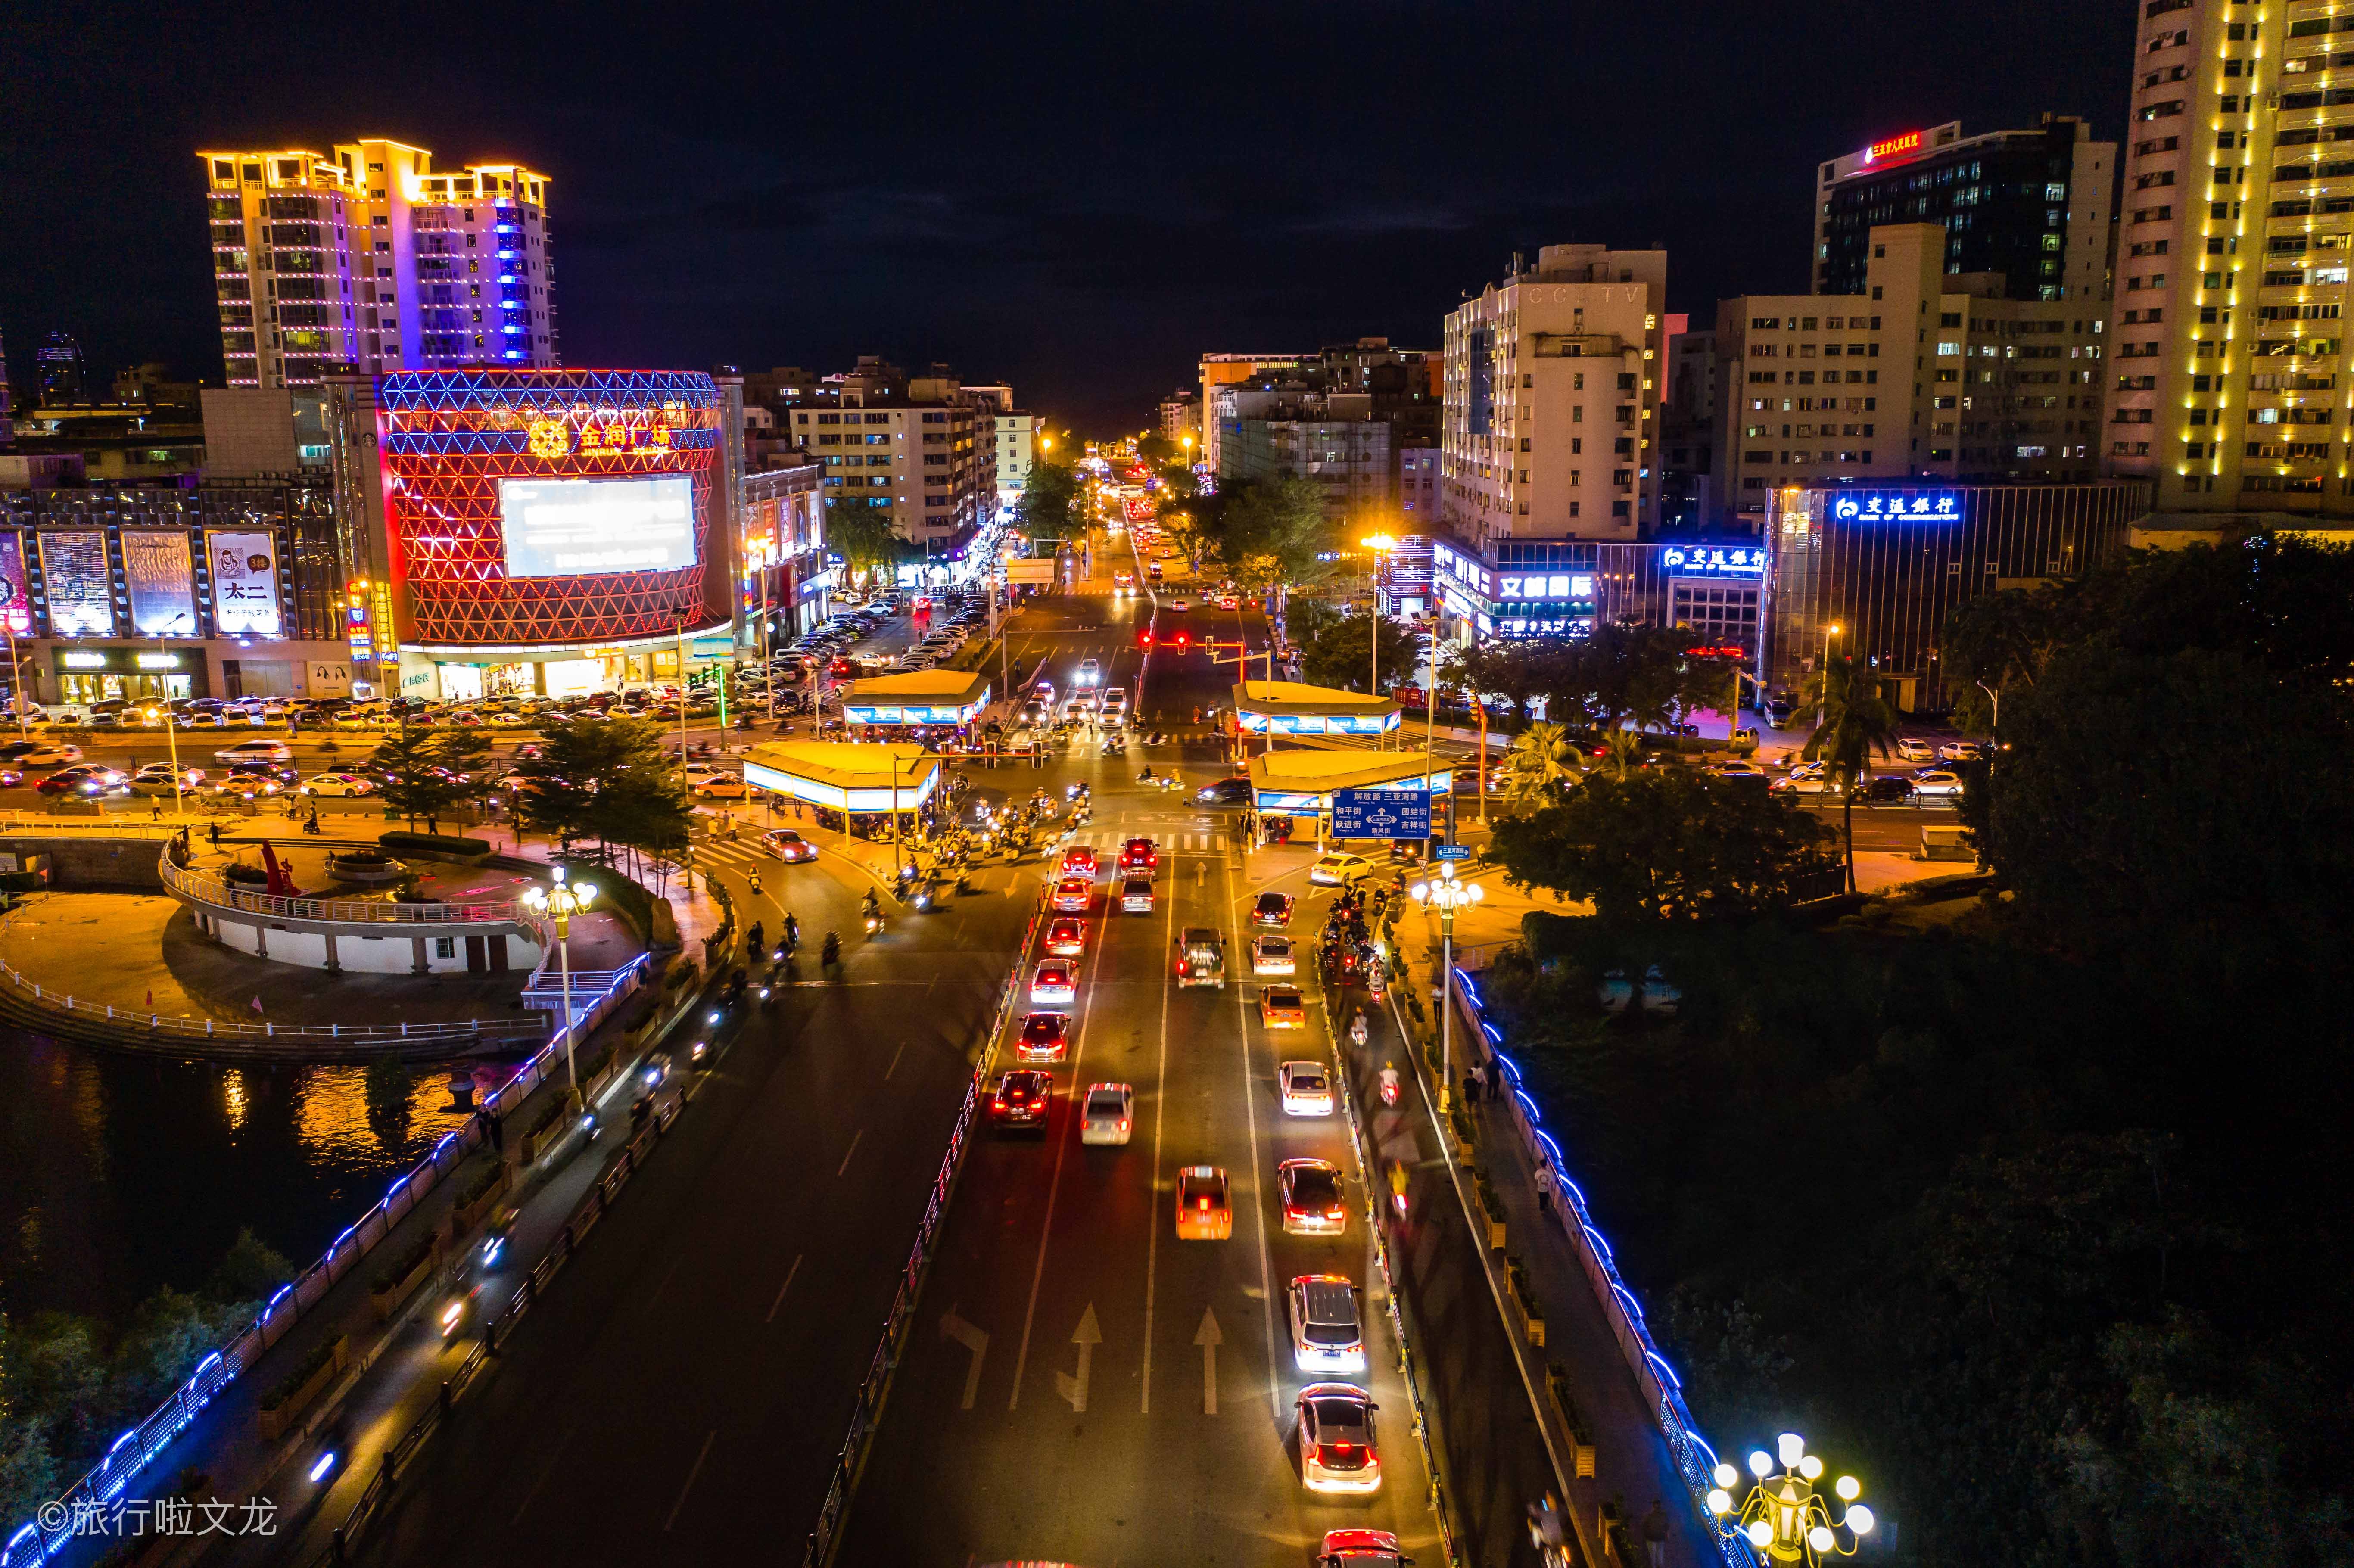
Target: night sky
column 1077, row 200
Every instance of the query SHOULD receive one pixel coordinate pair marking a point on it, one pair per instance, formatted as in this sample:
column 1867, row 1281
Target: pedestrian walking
column 212, row 833
column 158, row 812
column 1470, row 1087
column 1544, row 1187
column 1495, row 1079
column 1655, row 1535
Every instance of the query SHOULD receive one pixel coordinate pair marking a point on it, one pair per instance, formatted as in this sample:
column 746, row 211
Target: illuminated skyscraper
column 369, row 260
column 2229, row 372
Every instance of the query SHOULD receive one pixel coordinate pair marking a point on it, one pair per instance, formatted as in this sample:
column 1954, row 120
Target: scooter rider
column 1389, row 1081
column 793, row 932
column 1357, row 1029
column 831, row 954
column 871, row 905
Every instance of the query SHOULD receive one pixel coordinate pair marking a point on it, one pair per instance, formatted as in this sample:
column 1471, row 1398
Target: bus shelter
column 951, row 698
column 846, row 777
column 1289, row 707
column 1302, row 783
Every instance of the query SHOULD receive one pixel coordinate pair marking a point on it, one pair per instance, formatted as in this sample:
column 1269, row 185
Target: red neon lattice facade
column 447, row 438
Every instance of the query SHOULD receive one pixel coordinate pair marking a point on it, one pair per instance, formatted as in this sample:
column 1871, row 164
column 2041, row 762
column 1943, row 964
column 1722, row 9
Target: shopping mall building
column 552, row 532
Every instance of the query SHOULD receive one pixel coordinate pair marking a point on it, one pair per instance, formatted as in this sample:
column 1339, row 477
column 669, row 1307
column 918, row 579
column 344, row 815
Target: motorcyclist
column 1389, row 1081
column 1357, row 1029
column 1145, row 776
column 793, row 932
column 870, row 906
column 754, row 882
column 832, row 952
column 756, row 938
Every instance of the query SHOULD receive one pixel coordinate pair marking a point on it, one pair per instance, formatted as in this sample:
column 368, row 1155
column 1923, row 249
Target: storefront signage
column 1943, row 506
column 146, row 659
column 329, row 680
column 1573, row 585
column 1895, row 146
column 1714, row 561
column 16, row 599
column 245, row 583
column 80, row 583
column 162, row 578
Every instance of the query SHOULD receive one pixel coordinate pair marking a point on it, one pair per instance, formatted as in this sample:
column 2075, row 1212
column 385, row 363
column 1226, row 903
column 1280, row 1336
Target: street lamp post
column 1996, row 698
column 1381, row 544
column 1784, row 1517
column 171, row 736
column 561, row 902
column 1447, row 895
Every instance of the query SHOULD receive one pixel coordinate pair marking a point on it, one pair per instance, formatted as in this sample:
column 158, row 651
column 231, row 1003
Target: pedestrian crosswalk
column 1112, row 838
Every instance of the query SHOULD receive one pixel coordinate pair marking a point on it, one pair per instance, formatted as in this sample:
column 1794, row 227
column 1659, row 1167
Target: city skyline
column 1066, row 238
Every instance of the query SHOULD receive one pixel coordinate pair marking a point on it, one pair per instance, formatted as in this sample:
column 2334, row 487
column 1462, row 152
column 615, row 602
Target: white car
column 1937, row 781
column 1338, row 1452
column 1109, row 1110
column 1054, row 980
column 255, row 751
column 1115, row 702
column 326, row 784
column 1913, row 748
column 1339, row 869
column 1326, row 1335
column 1307, row 1090
column 48, row 757
column 1961, row 751
column 1271, row 955
column 1803, row 784
column 1733, row 768
column 1090, row 673
column 1181, row 605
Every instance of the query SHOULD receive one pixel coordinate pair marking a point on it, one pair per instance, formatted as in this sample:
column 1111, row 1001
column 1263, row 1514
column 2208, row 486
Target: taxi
column 1205, row 1208
column 1280, row 1007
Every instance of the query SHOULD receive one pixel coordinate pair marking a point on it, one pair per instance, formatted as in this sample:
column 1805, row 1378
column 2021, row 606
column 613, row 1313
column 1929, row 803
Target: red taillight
column 1123, row 1124
column 997, row 1104
column 1202, row 1203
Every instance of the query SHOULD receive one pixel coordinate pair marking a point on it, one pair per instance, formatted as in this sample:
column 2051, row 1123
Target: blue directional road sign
column 1452, row 852
column 1381, row 813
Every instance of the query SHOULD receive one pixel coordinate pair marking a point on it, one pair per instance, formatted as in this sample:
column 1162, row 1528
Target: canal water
column 123, row 1173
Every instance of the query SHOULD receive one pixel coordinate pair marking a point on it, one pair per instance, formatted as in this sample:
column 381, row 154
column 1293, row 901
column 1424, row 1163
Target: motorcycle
column 874, row 925
column 1390, row 1088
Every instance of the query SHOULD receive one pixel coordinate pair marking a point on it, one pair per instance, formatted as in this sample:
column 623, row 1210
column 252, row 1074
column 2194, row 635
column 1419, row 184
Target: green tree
column 645, row 808
column 1541, row 761
column 578, row 763
column 1340, row 654
column 1516, row 672
column 866, row 540
column 1853, row 722
column 1622, row 753
column 1277, row 521
column 1050, row 506
column 1155, row 449
column 1624, row 671
column 407, row 758
column 1666, row 845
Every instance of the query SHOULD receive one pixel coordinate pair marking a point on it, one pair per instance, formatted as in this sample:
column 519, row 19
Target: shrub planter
column 1493, row 1207
column 1524, row 1300
column 368, row 868
column 478, row 1196
column 1581, row 1441
column 392, row 1288
column 436, row 846
column 244, row 876
column 282, row 1406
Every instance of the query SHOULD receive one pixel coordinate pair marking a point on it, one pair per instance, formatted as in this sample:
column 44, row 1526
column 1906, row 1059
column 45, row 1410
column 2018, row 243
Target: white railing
column 206, row 888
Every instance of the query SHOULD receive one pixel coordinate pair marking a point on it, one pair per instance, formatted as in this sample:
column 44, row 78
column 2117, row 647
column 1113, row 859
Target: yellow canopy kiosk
column 1300, row 783
column 920, row 696
column 1288, row 707
column 845, row 775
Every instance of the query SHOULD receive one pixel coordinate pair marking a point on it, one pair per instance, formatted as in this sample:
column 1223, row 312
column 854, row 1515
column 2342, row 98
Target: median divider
column 866, row 1408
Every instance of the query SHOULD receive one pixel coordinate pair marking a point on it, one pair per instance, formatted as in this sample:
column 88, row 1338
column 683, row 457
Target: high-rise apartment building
column 1552, row 399
column 64, row 381
column 919, row 451
column 1920, row 373
column 1228, row 369
column 2035, row 206
column 1017, row 449
column 2231, row 383
column 366, row 260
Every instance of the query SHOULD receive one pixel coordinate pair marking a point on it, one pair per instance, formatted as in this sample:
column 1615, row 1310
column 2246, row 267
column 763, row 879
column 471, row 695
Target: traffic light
column 1144, row 638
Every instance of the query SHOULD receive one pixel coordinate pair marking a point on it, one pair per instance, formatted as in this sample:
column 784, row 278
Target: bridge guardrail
column 206, row 888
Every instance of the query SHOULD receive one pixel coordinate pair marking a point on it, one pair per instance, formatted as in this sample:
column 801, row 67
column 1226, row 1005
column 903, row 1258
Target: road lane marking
column 1153, row 1193
column 554, row 1456
column 972, row 1339
column 1055, row 1181
column 1209, row 1339
column 848, row 1152
column 1258, row 1187
column 788, row 1285
column 895, row 1061
column 710, row 1438
column 1087, row 1336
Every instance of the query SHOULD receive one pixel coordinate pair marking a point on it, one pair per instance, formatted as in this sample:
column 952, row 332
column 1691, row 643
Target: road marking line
column 1054, row 1182
column 788, row 1285
column 848, row 1152
column 894, row 1060
column 706, row 1454
column 1258, row 1187
column 1153, row 1193
column 554, row 1455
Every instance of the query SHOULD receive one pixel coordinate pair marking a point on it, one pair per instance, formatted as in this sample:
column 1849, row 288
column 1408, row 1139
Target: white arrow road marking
column 1074, row 1390
column 974, row 1340
column 1209, row 1339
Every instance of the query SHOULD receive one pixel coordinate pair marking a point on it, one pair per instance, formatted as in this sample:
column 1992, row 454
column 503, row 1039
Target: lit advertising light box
column 582, row 528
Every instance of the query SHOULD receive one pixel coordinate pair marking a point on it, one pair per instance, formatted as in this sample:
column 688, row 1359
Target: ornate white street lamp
column 1447, row 895
column 1784, row 1517
column 561, row 902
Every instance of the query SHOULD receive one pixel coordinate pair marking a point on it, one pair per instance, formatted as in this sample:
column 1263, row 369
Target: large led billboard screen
column 579, row 527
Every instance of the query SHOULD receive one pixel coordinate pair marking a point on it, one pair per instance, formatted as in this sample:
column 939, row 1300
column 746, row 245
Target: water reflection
column 122, row 1173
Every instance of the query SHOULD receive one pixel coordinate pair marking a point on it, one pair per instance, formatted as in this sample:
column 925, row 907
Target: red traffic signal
column 1144, row 638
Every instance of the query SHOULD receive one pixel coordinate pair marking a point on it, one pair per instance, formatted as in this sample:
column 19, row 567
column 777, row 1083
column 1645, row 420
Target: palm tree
column 1624, row 748
column 1851, row 722
column 1540, row 759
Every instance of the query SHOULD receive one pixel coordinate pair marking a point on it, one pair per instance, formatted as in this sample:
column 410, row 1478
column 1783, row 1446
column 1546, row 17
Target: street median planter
column 1580, row 1440
column 399, row 1279
column 436, row 846
column 479, row 1193
column 282, row 1406
column 1524, row 1300
column 1493, row 1207
column 367, row 868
